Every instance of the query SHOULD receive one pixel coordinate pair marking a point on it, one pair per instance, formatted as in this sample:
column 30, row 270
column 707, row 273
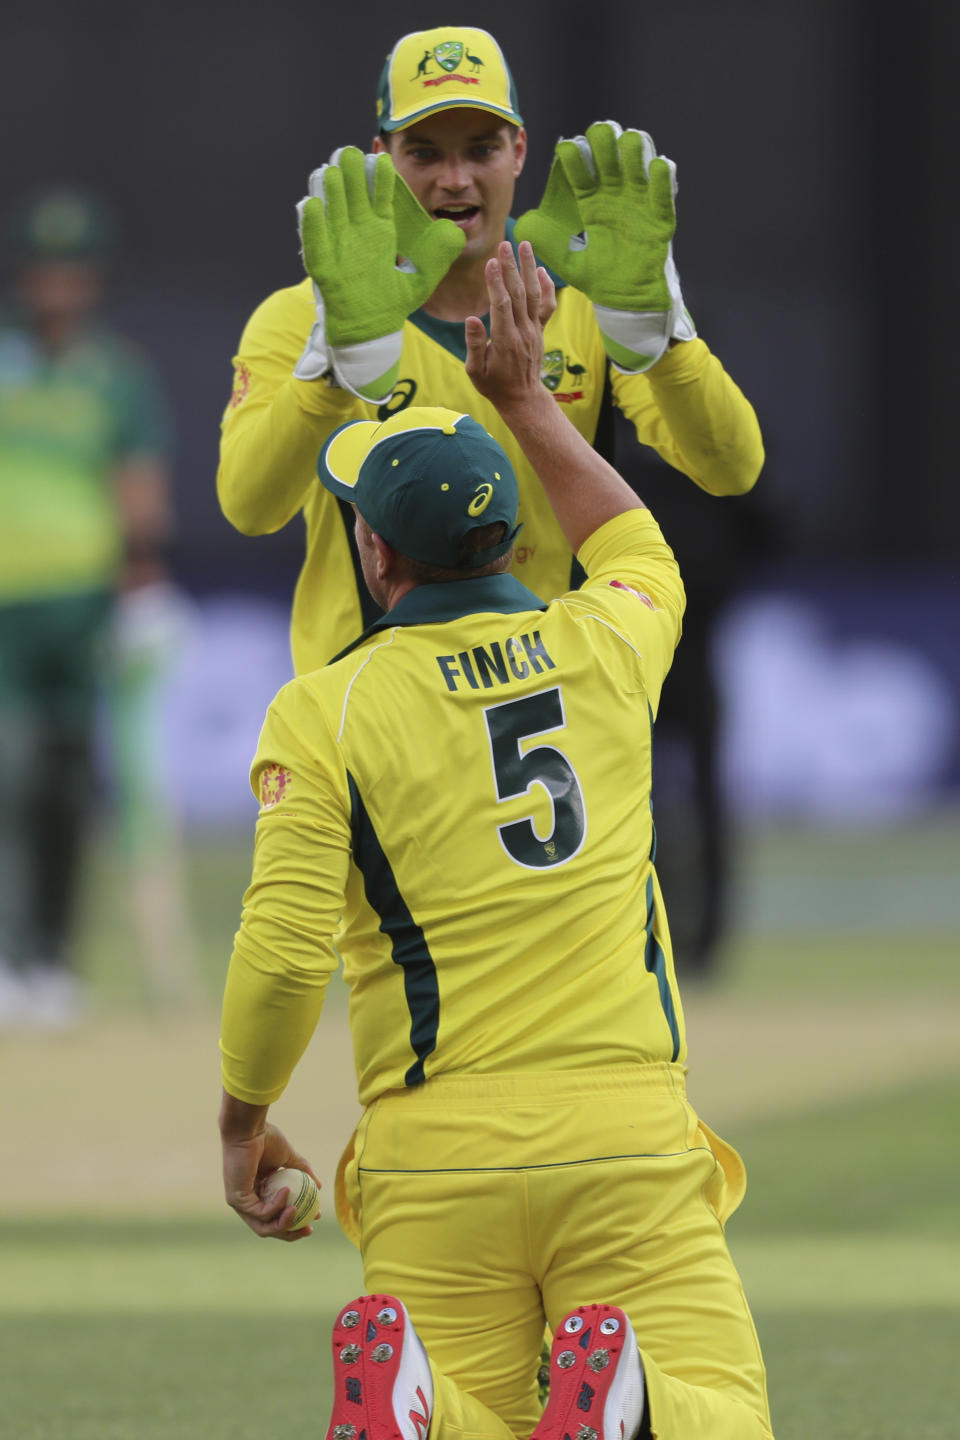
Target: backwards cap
column 432, row 70
column 423, row 479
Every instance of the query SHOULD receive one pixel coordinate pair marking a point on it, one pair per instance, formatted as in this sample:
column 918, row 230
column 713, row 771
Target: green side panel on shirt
column 654, row 958
column 410, row 949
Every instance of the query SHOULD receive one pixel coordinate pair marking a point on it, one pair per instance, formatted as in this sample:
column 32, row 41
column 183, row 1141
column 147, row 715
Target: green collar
column 450, row 333
column 451, row 600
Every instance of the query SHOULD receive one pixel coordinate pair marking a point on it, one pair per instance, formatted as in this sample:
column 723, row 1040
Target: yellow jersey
column 459, row 807
column 687, row 408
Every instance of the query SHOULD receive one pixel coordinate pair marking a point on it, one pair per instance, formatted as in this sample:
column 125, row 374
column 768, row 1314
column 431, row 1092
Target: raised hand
column 357, row 219
column 605, row 225
column 583, row 490
column 506, row 366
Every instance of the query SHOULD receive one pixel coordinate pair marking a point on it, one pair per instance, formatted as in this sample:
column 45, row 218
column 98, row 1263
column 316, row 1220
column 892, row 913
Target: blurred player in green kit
column 84, row 519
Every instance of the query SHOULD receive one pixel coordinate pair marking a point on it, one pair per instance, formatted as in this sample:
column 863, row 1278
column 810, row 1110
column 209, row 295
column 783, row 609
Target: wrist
column 534, row 409
column 682, row 362
column 240, row 1121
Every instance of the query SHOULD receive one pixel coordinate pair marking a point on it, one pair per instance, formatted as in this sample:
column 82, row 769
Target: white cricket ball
column 304, row 1194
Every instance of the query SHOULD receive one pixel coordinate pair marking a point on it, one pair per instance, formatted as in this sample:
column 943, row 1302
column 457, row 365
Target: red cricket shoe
column 596, row 1378
column 382, row 1386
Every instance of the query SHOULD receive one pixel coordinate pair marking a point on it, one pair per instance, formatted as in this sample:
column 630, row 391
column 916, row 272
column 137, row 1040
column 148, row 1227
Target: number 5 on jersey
column 516, row 771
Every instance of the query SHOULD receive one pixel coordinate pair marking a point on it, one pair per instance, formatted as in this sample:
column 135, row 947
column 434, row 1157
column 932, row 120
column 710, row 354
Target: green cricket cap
column 422, row 480
column 62, row 222
column 453, row 65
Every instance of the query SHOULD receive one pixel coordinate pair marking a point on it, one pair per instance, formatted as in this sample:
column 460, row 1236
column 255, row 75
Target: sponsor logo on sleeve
column 241, row 385
column 619, row 585
column 275, row 782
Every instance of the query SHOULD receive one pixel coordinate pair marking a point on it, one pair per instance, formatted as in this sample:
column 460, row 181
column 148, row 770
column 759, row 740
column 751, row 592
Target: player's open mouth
column 460, row 215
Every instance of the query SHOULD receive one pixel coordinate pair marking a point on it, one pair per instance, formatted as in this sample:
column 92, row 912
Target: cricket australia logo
column 449, row 55
column 555, row 366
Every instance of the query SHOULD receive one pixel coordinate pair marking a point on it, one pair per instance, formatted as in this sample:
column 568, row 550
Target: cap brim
column 454, row 103
column 338, row 464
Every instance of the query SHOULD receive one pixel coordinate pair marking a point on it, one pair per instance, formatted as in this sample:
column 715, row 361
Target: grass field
column 133, row 1305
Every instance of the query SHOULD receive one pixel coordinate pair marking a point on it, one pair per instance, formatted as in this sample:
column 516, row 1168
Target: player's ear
column 378, row 145
column 386, row 556
column 519, row 150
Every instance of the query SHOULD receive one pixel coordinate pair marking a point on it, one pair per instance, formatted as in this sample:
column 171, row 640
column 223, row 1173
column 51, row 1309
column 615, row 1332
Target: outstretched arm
column 356, row 219
column 584, row 491
column 605, row 225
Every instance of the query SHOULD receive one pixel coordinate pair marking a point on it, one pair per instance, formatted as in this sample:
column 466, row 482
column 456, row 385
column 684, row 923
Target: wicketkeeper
column 394, row 243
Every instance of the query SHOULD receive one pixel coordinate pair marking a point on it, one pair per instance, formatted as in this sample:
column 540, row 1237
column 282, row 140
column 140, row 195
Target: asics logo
column 481, row 499
column 421, row 1420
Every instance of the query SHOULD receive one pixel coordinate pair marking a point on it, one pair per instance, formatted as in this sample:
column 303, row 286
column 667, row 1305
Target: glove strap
column 633, row 339
column 636, row 339
column 369, row 369
column 314, row 363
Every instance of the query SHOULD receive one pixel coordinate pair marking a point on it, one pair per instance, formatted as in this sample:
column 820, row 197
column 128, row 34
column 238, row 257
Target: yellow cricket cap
column 453, row 65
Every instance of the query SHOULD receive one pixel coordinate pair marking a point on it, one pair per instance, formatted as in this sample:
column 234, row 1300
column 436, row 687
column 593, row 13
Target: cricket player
column 394, row 245
column 85, row 517
column 459, row 807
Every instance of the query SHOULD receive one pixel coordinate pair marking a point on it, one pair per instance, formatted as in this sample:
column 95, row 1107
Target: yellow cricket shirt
column 687, row 408
column 461, row 805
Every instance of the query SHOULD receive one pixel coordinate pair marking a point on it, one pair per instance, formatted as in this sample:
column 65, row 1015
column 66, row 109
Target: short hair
column 481, row 537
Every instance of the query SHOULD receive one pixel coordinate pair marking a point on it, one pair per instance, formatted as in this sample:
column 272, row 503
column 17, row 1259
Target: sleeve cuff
column 323, row 398
column 679, row 364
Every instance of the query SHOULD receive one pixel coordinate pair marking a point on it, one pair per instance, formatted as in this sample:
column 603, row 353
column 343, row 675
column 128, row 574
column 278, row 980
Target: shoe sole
column 596, row 1379
column 377, row 1359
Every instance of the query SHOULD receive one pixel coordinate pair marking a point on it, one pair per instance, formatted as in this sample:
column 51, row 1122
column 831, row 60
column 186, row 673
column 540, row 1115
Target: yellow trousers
column 493, row 1204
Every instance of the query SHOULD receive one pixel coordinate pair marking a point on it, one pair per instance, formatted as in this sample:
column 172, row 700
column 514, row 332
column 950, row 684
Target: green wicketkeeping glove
column 605, row 225
column 358, row 217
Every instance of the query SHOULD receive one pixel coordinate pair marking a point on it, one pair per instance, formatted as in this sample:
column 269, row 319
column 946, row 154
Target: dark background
column 815, row 147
